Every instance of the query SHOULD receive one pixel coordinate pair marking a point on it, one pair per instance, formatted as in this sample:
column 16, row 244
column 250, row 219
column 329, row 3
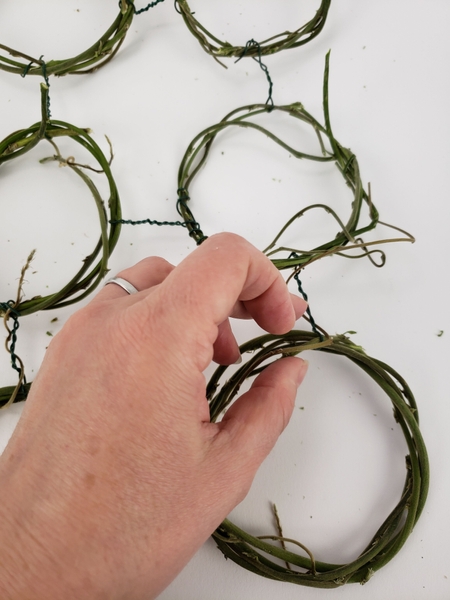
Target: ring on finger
column 124, row 284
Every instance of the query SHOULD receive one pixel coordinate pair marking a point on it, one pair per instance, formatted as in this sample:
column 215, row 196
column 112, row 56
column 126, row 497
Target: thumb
column 251, row 427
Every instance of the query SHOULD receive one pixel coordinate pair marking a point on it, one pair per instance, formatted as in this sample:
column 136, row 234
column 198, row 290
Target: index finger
column 224, row 269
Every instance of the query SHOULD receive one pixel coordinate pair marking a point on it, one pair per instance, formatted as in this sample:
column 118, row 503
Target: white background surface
column 339, row 468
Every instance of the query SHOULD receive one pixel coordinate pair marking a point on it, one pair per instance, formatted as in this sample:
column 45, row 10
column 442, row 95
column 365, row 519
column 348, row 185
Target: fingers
column 144, row 275
column 226, row 269
column 226, row 349
column 300, row 305
column 270, row 308
column 252, row 425
column 240, row 312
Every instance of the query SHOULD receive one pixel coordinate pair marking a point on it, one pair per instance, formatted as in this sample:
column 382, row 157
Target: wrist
column 26, row 570
column 36, row 559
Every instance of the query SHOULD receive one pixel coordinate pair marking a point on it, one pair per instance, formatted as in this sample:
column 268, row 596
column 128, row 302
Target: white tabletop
column 339, row 467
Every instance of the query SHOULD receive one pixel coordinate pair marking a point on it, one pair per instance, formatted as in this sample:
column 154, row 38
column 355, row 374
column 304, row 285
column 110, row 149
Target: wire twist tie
column 9, row 311
column 305, row 297
column 195, row 230
column 141, row 10
column 254, row 44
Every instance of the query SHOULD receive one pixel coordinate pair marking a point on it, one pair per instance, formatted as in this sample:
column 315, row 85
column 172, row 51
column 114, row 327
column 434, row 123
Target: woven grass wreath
column 347, row 238
column 98, row 55
column 254, row 552
column 95, row 265
column 281, row 41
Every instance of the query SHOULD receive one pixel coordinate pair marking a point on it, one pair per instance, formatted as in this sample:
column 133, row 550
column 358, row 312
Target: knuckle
column 155, row 262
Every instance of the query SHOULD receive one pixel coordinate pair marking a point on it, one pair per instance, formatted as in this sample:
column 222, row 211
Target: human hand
column 114, row 476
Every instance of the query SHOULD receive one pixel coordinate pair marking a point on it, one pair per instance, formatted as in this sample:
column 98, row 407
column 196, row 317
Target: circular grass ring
column 95, row 265
column 197, row 153
column 282, row 41
column 252, row 552
column 91, row 272
column 98, row 55
column 348, row 238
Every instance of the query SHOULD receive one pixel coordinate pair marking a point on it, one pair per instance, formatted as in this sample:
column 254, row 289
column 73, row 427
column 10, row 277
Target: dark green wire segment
column 345, row 160
column 139, row 11
column 88, row 61
column 254, row 552
column 281, row 41
column 95, row 265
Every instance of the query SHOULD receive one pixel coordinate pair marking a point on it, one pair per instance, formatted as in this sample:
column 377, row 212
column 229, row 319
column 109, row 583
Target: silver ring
column 124, row 284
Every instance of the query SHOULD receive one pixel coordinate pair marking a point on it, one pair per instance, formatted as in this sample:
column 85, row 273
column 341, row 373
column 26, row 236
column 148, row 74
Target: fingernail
column 239, row 360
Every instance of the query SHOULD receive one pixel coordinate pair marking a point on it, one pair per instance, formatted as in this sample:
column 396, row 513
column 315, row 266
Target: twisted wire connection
column 8, row 310
column 149, row 5
column 20, row 390
column 183, row 209
column 253, row 44
column 195, row 231
column 148, row 222
column 305, row 297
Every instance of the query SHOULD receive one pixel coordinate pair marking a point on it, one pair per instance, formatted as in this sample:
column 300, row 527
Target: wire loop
column 253, row 44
